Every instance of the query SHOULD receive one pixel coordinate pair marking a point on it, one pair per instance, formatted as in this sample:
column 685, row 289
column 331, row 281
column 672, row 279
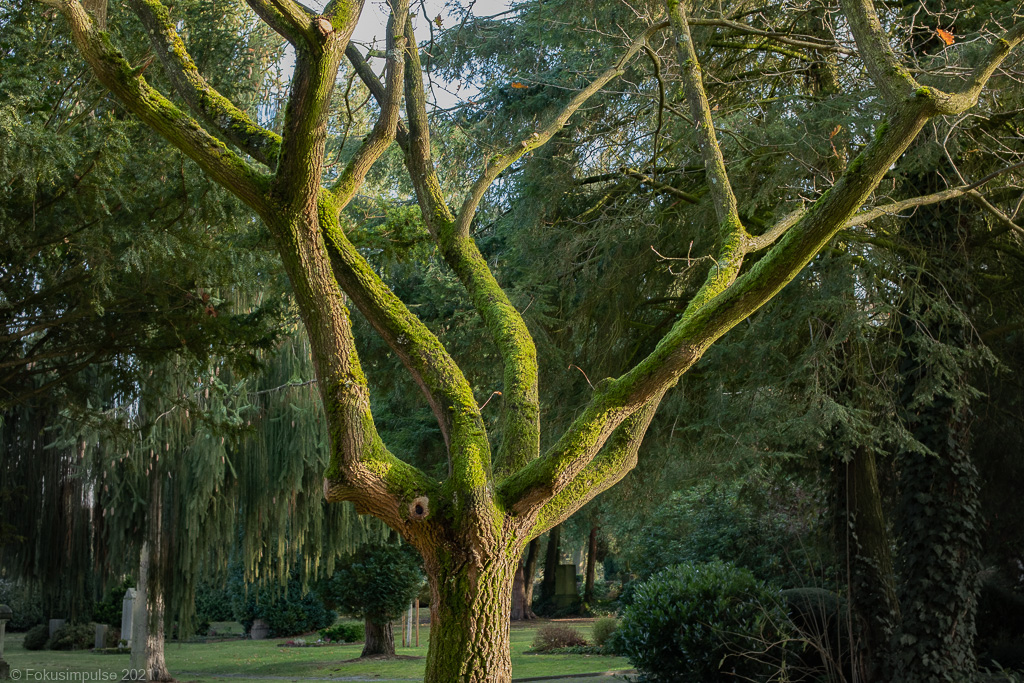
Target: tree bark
column 588, row 590
column 470, row 609
column 148, row 611
column 864, row 541
column 551, row 560
column 380, row 639
column 529, row 573
column 519, row 594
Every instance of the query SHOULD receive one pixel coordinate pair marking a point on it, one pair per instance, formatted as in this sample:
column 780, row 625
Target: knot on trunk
column 419, row 508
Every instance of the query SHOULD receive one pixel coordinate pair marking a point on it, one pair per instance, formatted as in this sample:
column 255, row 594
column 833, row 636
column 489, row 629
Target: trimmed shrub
column 36, row 637
column 344, row 633
column 702, row 623
column 603, row 629
column 557, row 636
column 73, row 637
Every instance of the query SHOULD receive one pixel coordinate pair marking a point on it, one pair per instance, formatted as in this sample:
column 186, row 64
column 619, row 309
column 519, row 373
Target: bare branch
column 386, row 125
column 807, row 42
column 499, row 162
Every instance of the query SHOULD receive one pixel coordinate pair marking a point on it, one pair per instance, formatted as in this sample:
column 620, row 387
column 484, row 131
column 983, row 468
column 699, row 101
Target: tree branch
column 884, row 67
column 965, row 98
column 499, row 162
column 111, row 68
column 386, row 125
column 520, row 402
column 614, row 461
column 216, row 110
column 807, row 42
column 292, row 21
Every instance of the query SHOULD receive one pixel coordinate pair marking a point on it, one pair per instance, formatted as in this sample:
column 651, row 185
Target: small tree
column 376, row 583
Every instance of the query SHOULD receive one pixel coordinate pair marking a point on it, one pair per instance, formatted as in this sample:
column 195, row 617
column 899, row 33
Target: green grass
column 251, row 659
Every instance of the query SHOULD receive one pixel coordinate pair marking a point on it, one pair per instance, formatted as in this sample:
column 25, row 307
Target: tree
column 472, row 526
column 377, row 583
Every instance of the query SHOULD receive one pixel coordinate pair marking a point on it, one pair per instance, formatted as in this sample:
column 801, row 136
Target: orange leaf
column 835, row 131
column 946, row 36
column 439, row 20
column 519, row 85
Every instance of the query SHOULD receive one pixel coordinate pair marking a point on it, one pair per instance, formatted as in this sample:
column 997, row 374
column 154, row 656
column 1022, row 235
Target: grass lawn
column 253, row 659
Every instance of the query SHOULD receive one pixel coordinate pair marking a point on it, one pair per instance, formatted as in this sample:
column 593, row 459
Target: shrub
column 557, row 636
column 287, row 612
column 36, row 637
column 213, row 603
column 701, row 622
column 73, row 637
column 25, row 603
column 603, row 629
column 108, row 611
column 344, row 633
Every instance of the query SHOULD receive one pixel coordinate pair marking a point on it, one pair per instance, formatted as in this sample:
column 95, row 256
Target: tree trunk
column 864, row 542
column 588, row 590
column 380, row 639
column 551, row 560
column 529, row 573
column 519, row 594
column 147, row 658
column 470, row 609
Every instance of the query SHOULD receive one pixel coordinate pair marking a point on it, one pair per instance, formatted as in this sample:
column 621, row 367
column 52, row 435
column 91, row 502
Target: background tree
column 376, row 583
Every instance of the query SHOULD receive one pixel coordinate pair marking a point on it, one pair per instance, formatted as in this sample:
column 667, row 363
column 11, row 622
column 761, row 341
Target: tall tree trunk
column 588, row 590
column 865, row 544
column 937, row 519
column 529, row 573
column 470, row 609
column 380, row 639
column 551, row 560
column 147, row 658
column 522, row 586
column 519, row 594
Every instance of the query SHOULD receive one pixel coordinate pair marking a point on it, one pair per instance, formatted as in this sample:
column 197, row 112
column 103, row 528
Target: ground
column 270, row 660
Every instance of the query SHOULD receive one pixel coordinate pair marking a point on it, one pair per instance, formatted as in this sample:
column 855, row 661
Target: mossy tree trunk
column 472, row 526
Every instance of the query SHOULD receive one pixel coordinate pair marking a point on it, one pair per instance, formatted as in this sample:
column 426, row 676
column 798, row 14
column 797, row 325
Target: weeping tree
column 472, row 524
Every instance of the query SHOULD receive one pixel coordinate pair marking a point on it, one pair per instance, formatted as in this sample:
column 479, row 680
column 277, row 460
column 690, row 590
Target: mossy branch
column 520, row 402
column 289, row 19
column 615, row 460
column 885, row 68
column 233, row 124
column 159, row 113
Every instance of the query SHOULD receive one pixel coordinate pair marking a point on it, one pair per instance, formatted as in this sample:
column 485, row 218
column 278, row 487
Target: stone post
column 127, row 605
column 6, row 614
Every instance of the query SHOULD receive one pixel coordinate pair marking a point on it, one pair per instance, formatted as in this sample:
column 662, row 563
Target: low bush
column 73, row 637
column 344, row 633
column 603, row 629
column 36, row 637
column 288, row 613
column 24, row 602
column 556, row 637
column 703, row 623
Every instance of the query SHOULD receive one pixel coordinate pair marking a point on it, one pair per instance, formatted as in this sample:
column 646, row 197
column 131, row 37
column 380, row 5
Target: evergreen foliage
column 703, row 622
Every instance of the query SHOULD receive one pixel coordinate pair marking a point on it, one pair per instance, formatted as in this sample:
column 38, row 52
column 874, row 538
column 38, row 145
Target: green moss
column 923, row 91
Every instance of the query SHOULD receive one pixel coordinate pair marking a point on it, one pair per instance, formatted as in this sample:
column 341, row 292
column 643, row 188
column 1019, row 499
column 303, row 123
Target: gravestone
column 565, row 586
column 6, row 614
column 101, row 636
column 260, row 630
column 56, row 624
column 127, row 605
